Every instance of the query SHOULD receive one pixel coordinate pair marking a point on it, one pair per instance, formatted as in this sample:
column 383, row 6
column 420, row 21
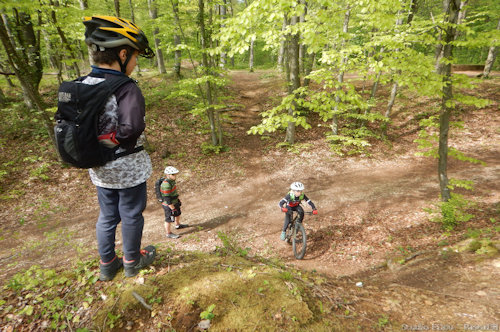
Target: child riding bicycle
column 291, row 202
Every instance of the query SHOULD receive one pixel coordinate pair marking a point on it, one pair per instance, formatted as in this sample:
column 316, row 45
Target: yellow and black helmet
column 110, row 32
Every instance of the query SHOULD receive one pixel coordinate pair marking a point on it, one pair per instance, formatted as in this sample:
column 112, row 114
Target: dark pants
column 288, row 215
column 169, row 214
column 125, row 205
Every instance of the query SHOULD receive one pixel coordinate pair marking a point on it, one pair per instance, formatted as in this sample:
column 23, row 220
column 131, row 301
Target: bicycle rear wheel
column 299, row 241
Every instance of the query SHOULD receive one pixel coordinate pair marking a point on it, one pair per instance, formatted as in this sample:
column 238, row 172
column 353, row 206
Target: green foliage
column 208, row 314
column 294, row 148
column 230, row 246
column 429, row 138
column 112, row 319
column 208, row 148
column 351, row 141
column 453, row 212
column 383, row 321
column 41, row 171
column 279, row 117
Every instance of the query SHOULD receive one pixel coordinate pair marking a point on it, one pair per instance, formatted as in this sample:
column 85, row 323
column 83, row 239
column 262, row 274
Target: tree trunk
column 461, row 16
column 117, row 7
column 65, row 42
column 153, row 13
column 451, row 9
column 309, row 67
column 394, row 89
column 294, row 83
column 132, row 14
column 223, row 14
column 209, row 101
column 492, row 55
column 281, row 52
column 392, row 99
column 83, row 4
column 302, row 47
column 177, row 39
column 54, row 57
column 19, row 63
column 2, row 97
column 250, row 55
column 4, row 70
column 21, row 35
column 340, row 77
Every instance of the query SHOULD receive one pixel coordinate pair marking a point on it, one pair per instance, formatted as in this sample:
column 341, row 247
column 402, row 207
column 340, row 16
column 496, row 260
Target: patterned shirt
column 124, row 113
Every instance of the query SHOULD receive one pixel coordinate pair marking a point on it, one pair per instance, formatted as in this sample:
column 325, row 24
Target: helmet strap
column 123, row 66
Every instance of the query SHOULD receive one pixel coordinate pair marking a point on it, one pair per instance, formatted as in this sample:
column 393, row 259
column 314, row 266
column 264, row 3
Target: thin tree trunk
column 177, row 40
column 210, row 110
column 251, row 55
column 294, row 83
column 492, row 55
column 302, row 47
column 392, row 99
column 340, row 77
column 65, row 42
column 117, row 7
column 451, row 9
column 395, row 85
column 223, row 14
column 83, row 4
column 4, row 70
column 183, row 36
column 54, row 57
column 132, row 14
column 309, row 68
column 153, row 14
column 232, row 15
column 281, row 52
column 461, row 16
column 177, row 56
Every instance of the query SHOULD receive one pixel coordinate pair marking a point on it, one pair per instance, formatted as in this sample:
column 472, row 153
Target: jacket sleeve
column 131, row 115
column 284, row 201
column 311, row 204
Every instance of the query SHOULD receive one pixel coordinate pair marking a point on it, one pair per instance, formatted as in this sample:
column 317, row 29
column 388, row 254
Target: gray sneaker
column 148, row 255
column 108, row 271
column 181, row 226
column 172, row 236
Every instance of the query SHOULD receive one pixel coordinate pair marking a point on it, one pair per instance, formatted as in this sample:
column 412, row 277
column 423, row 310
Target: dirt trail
column 360, row 201
column 369, row 209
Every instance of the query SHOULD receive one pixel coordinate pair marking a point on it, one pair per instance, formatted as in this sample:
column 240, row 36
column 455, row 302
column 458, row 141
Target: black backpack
column 78, row 109
column 158, row 183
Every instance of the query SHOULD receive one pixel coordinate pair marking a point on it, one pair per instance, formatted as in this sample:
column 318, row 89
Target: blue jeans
column 125, row 205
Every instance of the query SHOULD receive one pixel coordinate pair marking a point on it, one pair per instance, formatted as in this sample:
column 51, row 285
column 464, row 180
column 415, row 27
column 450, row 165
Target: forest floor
column 371, row 226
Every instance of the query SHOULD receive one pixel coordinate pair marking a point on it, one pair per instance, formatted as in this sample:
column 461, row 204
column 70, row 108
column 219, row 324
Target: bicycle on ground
column 296, row 235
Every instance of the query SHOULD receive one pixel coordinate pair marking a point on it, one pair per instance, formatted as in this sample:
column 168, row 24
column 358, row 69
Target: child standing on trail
column 171, row 202
column 291, row 202
column 115, row 44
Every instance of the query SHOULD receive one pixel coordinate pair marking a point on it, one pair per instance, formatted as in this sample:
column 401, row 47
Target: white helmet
column 297, row 186
column 171, row 170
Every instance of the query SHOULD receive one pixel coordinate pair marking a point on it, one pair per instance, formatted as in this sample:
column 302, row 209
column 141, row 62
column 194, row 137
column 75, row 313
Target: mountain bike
column 296, row 235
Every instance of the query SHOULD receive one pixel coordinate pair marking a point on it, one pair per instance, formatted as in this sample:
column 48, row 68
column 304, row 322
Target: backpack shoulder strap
column 116, row 81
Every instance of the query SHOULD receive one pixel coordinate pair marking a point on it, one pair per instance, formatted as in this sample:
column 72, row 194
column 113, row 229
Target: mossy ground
column 246, row 294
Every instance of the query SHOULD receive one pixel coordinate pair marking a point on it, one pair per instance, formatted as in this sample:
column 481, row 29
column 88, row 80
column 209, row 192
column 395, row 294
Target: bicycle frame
column 296, row 234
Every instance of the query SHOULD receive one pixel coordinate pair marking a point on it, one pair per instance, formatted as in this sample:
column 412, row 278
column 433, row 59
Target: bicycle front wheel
column 299, row 241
